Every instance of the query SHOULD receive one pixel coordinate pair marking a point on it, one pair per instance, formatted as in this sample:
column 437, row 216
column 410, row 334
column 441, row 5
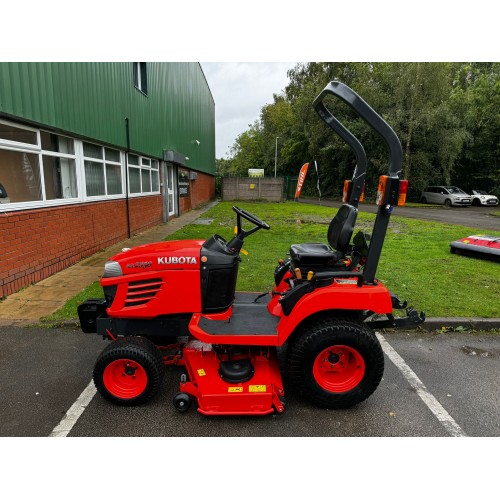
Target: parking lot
column 434, row 385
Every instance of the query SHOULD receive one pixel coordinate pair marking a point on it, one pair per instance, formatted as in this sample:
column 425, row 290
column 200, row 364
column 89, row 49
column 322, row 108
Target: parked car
column 446, row 195
column 480, row 197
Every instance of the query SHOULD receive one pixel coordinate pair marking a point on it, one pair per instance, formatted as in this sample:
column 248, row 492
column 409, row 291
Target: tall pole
column 276, row 156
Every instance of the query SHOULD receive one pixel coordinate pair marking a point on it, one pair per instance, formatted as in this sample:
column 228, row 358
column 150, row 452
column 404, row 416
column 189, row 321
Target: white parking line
column 432, row 403
column 73, row 414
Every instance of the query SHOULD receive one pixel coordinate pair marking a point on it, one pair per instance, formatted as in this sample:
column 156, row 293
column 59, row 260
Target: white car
column 480, row 197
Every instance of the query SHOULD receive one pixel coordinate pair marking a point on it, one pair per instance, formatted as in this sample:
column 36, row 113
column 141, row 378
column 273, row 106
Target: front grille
column 141, row 292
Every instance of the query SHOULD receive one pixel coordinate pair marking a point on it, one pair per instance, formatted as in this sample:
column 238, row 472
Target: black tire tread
column 305, row 344
column 139, row 349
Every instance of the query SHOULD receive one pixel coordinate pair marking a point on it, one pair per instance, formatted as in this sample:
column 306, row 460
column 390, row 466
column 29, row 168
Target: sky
column 240, row 90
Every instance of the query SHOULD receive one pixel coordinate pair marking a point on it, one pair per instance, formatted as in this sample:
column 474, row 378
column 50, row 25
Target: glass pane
column 91, row 150
column 155, row 185
column 20, row 176
column 112, row 155
column 146, row 180
column 114, row 179
column 134, row 178
column 154, row 164
column 57, row 143
column 10, row 133
column 60, row 178
column 146, row 162
column 133, row 160
column 94, row 178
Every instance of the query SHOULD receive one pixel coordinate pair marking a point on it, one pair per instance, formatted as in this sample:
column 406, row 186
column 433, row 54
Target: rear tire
column 336, row 363
column 423, row 199
column 129, row 371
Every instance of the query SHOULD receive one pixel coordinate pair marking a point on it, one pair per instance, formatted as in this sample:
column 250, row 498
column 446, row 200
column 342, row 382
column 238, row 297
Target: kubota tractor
column 175, row 303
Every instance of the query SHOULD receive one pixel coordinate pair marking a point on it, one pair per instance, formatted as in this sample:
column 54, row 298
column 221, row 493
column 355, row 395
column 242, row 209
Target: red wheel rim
column 125, row 379
column 339, row 368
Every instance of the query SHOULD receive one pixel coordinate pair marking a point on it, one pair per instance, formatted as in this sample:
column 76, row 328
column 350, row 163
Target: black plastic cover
column 219, row 272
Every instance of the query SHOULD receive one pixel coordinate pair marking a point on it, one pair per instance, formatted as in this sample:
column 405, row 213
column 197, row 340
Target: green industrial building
column 93, row 152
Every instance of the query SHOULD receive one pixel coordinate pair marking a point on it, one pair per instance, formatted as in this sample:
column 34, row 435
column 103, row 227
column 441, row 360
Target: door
column 168, row 191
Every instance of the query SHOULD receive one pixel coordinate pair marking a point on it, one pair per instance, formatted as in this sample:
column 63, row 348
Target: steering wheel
column 251, row 218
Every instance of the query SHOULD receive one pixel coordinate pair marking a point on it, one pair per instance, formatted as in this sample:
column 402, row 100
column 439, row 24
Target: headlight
column 112, row 269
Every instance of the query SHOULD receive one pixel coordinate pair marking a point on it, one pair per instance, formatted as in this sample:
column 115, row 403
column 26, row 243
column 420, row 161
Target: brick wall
column 200, row 190
column 35, row 244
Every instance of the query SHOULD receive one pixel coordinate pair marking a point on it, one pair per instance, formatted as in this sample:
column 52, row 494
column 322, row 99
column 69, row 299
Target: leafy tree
column 445, row 114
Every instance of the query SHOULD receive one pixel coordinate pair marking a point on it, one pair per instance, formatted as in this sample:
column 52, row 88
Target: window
column 12, row 133
column 42, row 168
column 59, row 166
column 20, row 175
column 103, row 171
column 143, row 175
column 141, row 77
column 36, row 165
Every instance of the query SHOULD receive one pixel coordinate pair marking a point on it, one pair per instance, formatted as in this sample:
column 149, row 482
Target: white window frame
column 102, row 161
column 142, row 167
column 23, row 147
column 79, row 160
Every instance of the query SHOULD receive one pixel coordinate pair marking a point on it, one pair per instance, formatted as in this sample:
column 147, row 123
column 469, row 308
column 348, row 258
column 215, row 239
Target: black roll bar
column 358, row 178
column 354, row 101
column 366, row 112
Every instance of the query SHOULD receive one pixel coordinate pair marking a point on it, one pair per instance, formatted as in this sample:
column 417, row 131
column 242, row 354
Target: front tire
column 129, row 371
column 447, row 203
column 336, row 363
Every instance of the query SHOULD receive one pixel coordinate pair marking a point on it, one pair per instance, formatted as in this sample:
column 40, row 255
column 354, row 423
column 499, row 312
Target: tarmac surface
column 477, row 218
column 44, row 371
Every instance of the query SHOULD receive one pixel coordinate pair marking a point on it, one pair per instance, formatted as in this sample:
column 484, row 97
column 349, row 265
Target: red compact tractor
column 175, row 303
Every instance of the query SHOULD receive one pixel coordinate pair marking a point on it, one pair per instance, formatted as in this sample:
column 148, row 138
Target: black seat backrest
column 341, row 228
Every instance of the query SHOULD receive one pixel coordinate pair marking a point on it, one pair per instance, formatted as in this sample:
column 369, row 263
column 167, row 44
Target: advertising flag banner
column 302, row 178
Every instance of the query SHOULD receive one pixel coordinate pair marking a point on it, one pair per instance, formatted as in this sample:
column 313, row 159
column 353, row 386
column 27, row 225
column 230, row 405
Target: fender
column 376, row 298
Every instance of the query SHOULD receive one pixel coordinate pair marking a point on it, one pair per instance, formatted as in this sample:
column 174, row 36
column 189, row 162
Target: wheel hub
column 339, row 368
column 125, row 378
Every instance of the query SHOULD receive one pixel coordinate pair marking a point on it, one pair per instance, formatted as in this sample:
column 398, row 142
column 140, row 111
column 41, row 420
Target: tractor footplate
column 261, row 394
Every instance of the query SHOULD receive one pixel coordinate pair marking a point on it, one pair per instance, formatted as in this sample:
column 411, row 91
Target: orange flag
column 302, row 178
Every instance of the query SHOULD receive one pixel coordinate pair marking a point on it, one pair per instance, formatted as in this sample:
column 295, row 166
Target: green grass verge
column 416, row 263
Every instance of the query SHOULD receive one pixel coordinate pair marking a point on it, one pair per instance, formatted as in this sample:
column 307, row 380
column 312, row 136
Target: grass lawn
column 416, row 262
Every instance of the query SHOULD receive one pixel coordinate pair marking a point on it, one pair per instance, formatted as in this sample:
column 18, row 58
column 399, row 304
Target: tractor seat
column 319, row 255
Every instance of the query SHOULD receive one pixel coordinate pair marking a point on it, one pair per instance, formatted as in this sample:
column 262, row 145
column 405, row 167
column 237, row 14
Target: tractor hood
column 182, row 254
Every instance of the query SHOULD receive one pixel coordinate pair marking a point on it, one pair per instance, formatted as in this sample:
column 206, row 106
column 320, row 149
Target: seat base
column 313, row 254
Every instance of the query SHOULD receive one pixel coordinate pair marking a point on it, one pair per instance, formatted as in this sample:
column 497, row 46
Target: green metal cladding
column 92, row 101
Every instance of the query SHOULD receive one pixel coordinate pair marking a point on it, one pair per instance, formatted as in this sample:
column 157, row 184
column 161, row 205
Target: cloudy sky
column 240, row 90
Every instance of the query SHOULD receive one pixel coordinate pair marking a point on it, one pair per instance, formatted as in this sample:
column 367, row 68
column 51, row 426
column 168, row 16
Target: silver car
column 446, row 195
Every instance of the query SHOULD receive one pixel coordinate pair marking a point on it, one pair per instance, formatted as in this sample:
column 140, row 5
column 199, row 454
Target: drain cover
column 203, row 222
